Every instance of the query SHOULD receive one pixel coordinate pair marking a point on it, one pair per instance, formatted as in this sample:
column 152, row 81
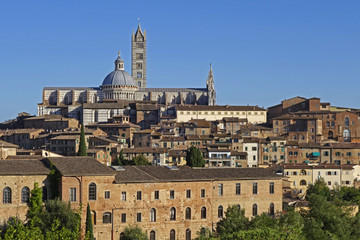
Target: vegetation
column 82, row 145
column 194, row 157
column 89, row 224
column 120, row 160
column 138, row 160
column 133, row 233
column 54, row 220
column 330, row 215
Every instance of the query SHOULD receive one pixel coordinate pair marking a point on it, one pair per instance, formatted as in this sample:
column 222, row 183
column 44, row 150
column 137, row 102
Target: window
column 72, row 193
column 188, row 213
column 303, row 183
column 123, row 196
column 7, row 195
column 253, row 148
column 203, row 213
column 153, row 215
column 347, row 122
column 238, row 189
column 138, row 217
column 138, row 75
column 156, row 195
column 188, row 193
column 172, row 214
column 329, row 182
column 172, row 234
column 271, row 188
column 92, row 191
column 202, row 193
column 220, row 189
column 44, row 191
column 123, row 218
column 25, row 195
column 254, row 210
column 138, row 195
column 107, row 194
column 107, row 217
column 139, row 65
column 220, row 211
column 272, row 209
column 255, row 188
column 188, row 234
column 172, row 194
column 93, row 217
column 152, row 235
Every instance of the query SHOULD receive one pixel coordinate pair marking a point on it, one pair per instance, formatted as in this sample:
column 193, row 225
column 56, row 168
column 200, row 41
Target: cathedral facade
column 119, row 87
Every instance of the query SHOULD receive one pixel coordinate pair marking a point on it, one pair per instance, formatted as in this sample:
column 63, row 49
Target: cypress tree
column 89, row 224
column 194, row 157
column 82, row 145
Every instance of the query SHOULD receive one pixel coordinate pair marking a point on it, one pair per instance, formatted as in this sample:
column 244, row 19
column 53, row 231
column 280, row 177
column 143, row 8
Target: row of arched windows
column 7, row 195
column 254, row 210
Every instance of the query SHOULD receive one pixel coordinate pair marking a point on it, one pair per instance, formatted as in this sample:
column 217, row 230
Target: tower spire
column 211, row 88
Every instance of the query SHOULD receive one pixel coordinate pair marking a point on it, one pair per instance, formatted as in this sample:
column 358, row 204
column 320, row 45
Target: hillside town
column 260, row 159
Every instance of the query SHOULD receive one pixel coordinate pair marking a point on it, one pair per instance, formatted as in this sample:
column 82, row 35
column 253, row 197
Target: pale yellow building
column 252, row 114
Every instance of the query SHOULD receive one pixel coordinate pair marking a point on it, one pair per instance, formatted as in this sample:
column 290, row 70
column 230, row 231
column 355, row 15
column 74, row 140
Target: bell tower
column 138, row 57
column 211, row 88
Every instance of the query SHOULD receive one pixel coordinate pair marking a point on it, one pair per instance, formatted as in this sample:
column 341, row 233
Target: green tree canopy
column 141, row 160
column 133, row 233
column 233, row 221
column 194, row 157
column 82, row 144
column 318, row 188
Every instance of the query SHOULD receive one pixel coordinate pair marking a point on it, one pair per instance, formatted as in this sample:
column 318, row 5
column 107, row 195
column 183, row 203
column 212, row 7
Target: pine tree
column 194, row 157
column 89, row 224
column 82, row 145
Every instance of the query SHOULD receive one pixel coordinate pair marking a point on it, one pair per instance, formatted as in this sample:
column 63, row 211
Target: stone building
column 120, row 86
column 166, row 202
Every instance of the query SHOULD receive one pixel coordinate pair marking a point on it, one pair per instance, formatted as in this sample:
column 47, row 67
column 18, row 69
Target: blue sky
column 262, row 51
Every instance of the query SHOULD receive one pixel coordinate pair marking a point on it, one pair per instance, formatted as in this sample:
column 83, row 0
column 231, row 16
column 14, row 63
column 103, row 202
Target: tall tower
column 211, row 88
column 138, row 57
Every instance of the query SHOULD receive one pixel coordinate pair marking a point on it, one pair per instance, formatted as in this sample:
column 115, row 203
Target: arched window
column 220, row 211
column 7, row 195
column 107, row 217
column 347, row 122
column 92, row 191
column 153, row 215
column 254, row 210
column 303, row 182
column 347, row 135
column 203, row 213
column 122, row 236
column 238, row 206
column 172, row 234
column 93, row 216
column 152, row 235
column 303, row 172
column 44, row 192
column 173, row 214
column 327, row 124
column 25, row 195
column 188, row 213
column 272, row 209
column 330, row 135
column 188, row 234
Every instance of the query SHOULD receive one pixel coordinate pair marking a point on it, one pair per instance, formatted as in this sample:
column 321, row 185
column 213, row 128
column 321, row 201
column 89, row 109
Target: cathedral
column 94, row 104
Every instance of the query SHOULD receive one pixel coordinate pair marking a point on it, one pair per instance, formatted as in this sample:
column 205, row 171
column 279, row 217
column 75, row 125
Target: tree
column 233, row 221
column 318, row 188
column 89, row 224
column 82, row 145
column 205, row 234
column 133, row 233
column 120, row 160
column 59, row 214
column 35, row 206
column 194, row 157
column 141, row 160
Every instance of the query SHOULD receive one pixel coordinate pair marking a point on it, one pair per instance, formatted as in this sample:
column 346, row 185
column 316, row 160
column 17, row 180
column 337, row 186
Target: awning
column 316, row 154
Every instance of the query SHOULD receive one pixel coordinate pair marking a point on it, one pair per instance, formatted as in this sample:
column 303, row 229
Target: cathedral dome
column 119, row 78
